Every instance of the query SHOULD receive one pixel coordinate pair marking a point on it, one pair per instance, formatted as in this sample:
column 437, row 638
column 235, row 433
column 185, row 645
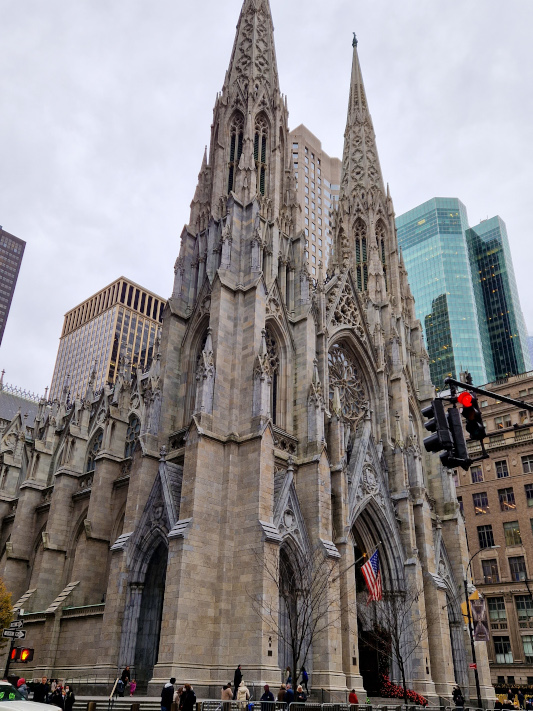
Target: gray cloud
column 106, row 108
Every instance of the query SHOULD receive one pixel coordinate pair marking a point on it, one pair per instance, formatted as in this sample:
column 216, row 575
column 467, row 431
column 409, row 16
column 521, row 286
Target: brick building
column 497, row 500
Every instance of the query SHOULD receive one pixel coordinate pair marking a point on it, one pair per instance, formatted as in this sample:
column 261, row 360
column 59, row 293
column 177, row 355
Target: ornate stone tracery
column 343, row 376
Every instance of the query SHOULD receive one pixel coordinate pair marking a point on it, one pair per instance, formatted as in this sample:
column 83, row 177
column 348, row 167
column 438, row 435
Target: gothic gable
column 288, row 518
column 276, row 309
column 344, row 309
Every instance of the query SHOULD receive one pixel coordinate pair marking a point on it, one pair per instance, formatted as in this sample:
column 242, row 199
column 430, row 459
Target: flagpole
column 355, row 563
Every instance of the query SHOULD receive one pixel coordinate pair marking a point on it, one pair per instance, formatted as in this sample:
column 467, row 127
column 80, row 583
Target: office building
column 496, row 496
column 121, row 319
column 501, row 323
column 432, row 239
column 11, row 252
column 317, row 187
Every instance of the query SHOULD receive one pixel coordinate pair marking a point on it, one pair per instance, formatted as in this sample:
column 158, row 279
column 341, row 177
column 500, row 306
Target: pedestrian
column 41, row 691
column 521, row 699
column 301, row 696
column 167, row 695
column 120, row 688
column 133, row 686
column 305, row 679
column 352, row 698
column 237, row 678
column 177, row 695
column 227, row 693
column 56, row 697
column 289, row 694
column 289, row 675
column 22, row 688
column 267, row 699
column 69, row 698
column 281, row 693
column 458, row 698
column 125, row 676
column 188, row 698
column 510, row 694
column 53, row 685
column 243, row 695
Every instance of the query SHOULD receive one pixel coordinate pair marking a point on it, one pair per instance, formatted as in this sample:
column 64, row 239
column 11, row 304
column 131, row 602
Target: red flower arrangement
column 392, row 691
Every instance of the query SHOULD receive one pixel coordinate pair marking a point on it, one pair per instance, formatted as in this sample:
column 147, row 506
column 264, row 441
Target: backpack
column 120, row 686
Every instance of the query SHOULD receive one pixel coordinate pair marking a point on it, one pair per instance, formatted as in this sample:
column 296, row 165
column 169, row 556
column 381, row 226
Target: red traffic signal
column 21, row 654
column 465, row 399
column 472, row 414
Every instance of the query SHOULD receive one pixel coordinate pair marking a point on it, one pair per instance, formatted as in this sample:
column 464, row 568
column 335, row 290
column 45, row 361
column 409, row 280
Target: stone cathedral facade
column 280, row 415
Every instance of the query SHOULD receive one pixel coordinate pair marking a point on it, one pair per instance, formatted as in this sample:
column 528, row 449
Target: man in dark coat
column 167, row 695
column 237, row 678
column 267, row 697
column 125, row 676
column 188, row 699
column 41, row 691
column 289, row 695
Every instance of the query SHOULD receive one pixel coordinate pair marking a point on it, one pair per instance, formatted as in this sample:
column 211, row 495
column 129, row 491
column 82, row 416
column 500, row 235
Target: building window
column 484, row 403
column 481, row 501
column 527, row 641
column 510, row 680
column 517, row 566
column 527, row 464
column 235, row 149
column 524, row 609
column 502, row 647
column 501, row 469
column 529, row 680
column 501, row 681
column 522, row 417
column 477, row 474
column 132, row 435
column 497, row 613
column 361, row 254
column 490, row 571
column 511, row 530
column 274, row 360
column 506, row 497
column 260, row 152
column 529, row 494
column 485, row 536
column 94, row 447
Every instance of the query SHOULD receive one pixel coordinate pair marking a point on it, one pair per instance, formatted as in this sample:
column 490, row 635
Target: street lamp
column 470, row 628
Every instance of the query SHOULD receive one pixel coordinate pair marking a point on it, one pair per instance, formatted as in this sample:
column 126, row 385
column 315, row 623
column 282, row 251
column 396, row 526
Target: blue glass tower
column 432, row 239
column 502, row 328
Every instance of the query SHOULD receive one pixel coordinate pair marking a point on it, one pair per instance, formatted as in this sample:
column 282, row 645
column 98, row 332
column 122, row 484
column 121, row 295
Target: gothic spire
column 253, row 59
column 361, row 171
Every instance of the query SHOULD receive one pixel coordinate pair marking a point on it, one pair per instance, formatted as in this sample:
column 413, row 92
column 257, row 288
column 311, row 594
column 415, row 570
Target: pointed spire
column 253, row 59
column 361, row 171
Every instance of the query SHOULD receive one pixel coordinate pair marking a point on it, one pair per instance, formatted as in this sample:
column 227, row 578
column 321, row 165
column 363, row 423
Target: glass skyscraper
column 11, row 252
column 502, row 327
column 432, row 239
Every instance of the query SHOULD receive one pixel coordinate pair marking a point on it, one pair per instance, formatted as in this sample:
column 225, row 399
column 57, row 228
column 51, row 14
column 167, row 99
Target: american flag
column 372, row 575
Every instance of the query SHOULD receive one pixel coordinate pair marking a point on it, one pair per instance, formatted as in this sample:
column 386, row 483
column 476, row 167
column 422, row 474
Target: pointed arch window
column 273, row 359
column 261, row 152
column 344, row 377
column 381, row 236
column 361, row 259
column 235, row 148
column 95, row 445
column 132, row 435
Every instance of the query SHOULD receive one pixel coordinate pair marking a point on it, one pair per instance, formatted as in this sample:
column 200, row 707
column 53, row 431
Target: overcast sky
column 106, row 108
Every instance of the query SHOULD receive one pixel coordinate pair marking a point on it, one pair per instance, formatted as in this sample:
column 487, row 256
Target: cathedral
column 280, row 416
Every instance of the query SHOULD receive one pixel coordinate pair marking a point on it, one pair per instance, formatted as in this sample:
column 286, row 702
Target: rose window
column 343, row 375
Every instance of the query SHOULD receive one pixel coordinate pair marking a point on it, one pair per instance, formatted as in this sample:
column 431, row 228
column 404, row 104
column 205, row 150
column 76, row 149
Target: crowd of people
column 54, row 693
column 125, row 685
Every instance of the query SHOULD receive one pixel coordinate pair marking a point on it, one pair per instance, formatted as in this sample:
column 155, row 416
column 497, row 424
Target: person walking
column 243, row 696
column 69, row 698
column 188, row 698
column 288, row 680
column 458, row 698
column 289, row 695
column 125, row 676
column 133, row 686
column 237, row 678
column 23, row 689
column 301, row 696
column 521, row 699
column 41, row 691
column 305, row 679
column 352, row 698
column 167, row 695
column 120, row 688
column 267, row 699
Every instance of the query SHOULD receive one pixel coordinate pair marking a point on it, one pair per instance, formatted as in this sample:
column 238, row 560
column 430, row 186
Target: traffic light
column 472, row 415
column 458, row 457
column 438, row 424
column 21, row 654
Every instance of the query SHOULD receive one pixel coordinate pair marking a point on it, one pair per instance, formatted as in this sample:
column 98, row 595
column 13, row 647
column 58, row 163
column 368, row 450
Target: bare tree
column 395, row 627
column 304, row 605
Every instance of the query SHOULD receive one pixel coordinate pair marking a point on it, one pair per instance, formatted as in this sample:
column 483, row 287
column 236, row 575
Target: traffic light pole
column 487, row 393
column 11, row 645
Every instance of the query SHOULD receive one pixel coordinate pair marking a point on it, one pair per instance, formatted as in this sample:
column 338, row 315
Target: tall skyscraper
column 501, row 323
column 432, row 239
column 121, row 319
column 318, row 179
column 11, row 252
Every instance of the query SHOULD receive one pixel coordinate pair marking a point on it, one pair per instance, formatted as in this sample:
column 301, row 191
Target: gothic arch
column 262, row 139
column 193, row 349
column 382, row 237
column 280, row 363
column 360, row 232
column 235, row 145
column 34, row 567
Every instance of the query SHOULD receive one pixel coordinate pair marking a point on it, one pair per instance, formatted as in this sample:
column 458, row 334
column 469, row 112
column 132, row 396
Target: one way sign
column 14, row 634
column 16, row 624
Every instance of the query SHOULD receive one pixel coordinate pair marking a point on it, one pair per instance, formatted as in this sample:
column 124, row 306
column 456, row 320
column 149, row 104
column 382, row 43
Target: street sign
column 473, row 666
column 14, row 634
column 16, row 624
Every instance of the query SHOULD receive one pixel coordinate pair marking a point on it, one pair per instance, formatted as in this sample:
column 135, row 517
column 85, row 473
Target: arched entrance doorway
column 150, row 614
